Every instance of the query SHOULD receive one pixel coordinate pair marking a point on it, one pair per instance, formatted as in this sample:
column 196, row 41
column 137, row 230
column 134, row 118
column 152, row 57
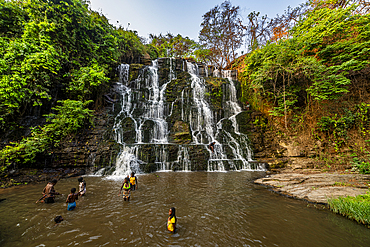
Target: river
column 213, row 209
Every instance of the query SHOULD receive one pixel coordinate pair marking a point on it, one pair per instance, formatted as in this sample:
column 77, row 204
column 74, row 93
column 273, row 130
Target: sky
column 178, row 16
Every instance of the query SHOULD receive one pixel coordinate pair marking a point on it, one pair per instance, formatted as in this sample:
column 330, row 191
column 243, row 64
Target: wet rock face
column 77, row 155
column 176, row 115
column 129, row 132
column 149, row 153
column 92, row 149
column 180, row 133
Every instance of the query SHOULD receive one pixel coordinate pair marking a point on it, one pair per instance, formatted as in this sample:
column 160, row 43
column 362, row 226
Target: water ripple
column 213, row 209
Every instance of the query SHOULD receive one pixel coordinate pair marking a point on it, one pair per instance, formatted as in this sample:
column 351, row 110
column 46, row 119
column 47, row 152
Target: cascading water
column 201, row 121
column 151, row 111
column 152, row 129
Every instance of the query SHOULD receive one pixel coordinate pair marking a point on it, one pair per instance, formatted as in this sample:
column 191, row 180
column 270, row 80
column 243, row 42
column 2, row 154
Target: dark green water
column 213, row 209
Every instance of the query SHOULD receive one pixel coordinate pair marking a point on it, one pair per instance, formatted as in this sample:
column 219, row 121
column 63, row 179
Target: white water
column 154, row 108
column 204, row 128
column 204, row 122
column 201, row 121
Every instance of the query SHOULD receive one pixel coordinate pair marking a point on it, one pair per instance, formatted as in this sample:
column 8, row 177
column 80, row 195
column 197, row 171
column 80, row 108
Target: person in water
column 58, row 219
column 71, row 199
column 49, row 192
column 172, row 220
column 212, row 146
column 82, row 186
column 133, row 181
column 126, row 186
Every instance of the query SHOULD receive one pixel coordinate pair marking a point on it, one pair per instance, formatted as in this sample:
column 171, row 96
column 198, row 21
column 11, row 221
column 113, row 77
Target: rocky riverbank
column 294, row 168
column 315, row 186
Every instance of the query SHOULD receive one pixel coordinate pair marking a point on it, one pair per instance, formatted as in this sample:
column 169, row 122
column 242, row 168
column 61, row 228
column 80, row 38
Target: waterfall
column 154, row 110
column 183, row 158
column 201, row 122
column 127, row 162
column 145, row 120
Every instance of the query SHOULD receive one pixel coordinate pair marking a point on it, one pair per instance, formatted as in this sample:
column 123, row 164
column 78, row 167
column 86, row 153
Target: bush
column 72, row 115
column 356, row 208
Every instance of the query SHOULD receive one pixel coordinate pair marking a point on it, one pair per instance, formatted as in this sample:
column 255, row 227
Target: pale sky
column 178, row 16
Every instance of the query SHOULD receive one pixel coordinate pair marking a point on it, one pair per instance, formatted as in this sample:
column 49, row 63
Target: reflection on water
column 213, row 209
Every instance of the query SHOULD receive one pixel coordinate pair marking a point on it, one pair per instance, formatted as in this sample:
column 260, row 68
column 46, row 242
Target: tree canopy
column 170, row 45
column 221, row 34
column 314, row 78
column 56, row 60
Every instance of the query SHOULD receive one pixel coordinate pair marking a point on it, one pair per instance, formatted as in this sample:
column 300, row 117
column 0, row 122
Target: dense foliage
column 171, row 46
column 56, row 56
column 315, row 81
column 71, row 115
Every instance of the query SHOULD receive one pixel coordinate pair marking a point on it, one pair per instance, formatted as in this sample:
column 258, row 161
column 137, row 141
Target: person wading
column 126, row 186
column 49, row 192
column 71, row 199
column 133, row 181
column 82, row 186
column 172, row 220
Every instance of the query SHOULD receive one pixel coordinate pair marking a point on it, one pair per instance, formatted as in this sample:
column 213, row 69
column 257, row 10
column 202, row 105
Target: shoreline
column 27, row 176
column 315, row 186
column 312, row 186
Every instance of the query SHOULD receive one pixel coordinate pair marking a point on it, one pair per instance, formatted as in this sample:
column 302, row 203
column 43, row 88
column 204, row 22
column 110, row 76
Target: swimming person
column 71, row 199
column 49, row 192
column 82, row 186
column 58, row 219
column 126, row 186
column 133, row 181
column 172, row 220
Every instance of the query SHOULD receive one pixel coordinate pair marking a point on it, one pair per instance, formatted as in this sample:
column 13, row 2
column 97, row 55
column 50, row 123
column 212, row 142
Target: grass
column 355, row 208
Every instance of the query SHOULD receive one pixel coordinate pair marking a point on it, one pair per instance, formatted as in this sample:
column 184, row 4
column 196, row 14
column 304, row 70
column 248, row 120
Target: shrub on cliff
column 71, row 116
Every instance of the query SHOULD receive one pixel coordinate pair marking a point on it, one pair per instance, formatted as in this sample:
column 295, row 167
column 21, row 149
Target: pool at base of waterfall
column 212, row 209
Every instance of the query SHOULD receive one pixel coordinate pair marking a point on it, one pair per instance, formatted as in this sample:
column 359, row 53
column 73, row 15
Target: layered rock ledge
column 317, row 187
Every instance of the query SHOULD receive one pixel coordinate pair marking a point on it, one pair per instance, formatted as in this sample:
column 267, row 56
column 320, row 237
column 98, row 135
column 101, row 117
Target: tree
column 310, row 67
column 222, row 34
column 257, row 30
column 171, row 46
column 280, row 25
column 362, row 6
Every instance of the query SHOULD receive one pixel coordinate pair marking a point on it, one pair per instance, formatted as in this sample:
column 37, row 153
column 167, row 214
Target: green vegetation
column 71, row 116
column 215, row 90
column 312, row 81
column 56, row 58
column 171, row 46
column 355, row 208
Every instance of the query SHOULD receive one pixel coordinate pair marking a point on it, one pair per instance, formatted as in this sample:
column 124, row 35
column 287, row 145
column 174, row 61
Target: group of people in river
column 129, row 184
column 49, row 193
